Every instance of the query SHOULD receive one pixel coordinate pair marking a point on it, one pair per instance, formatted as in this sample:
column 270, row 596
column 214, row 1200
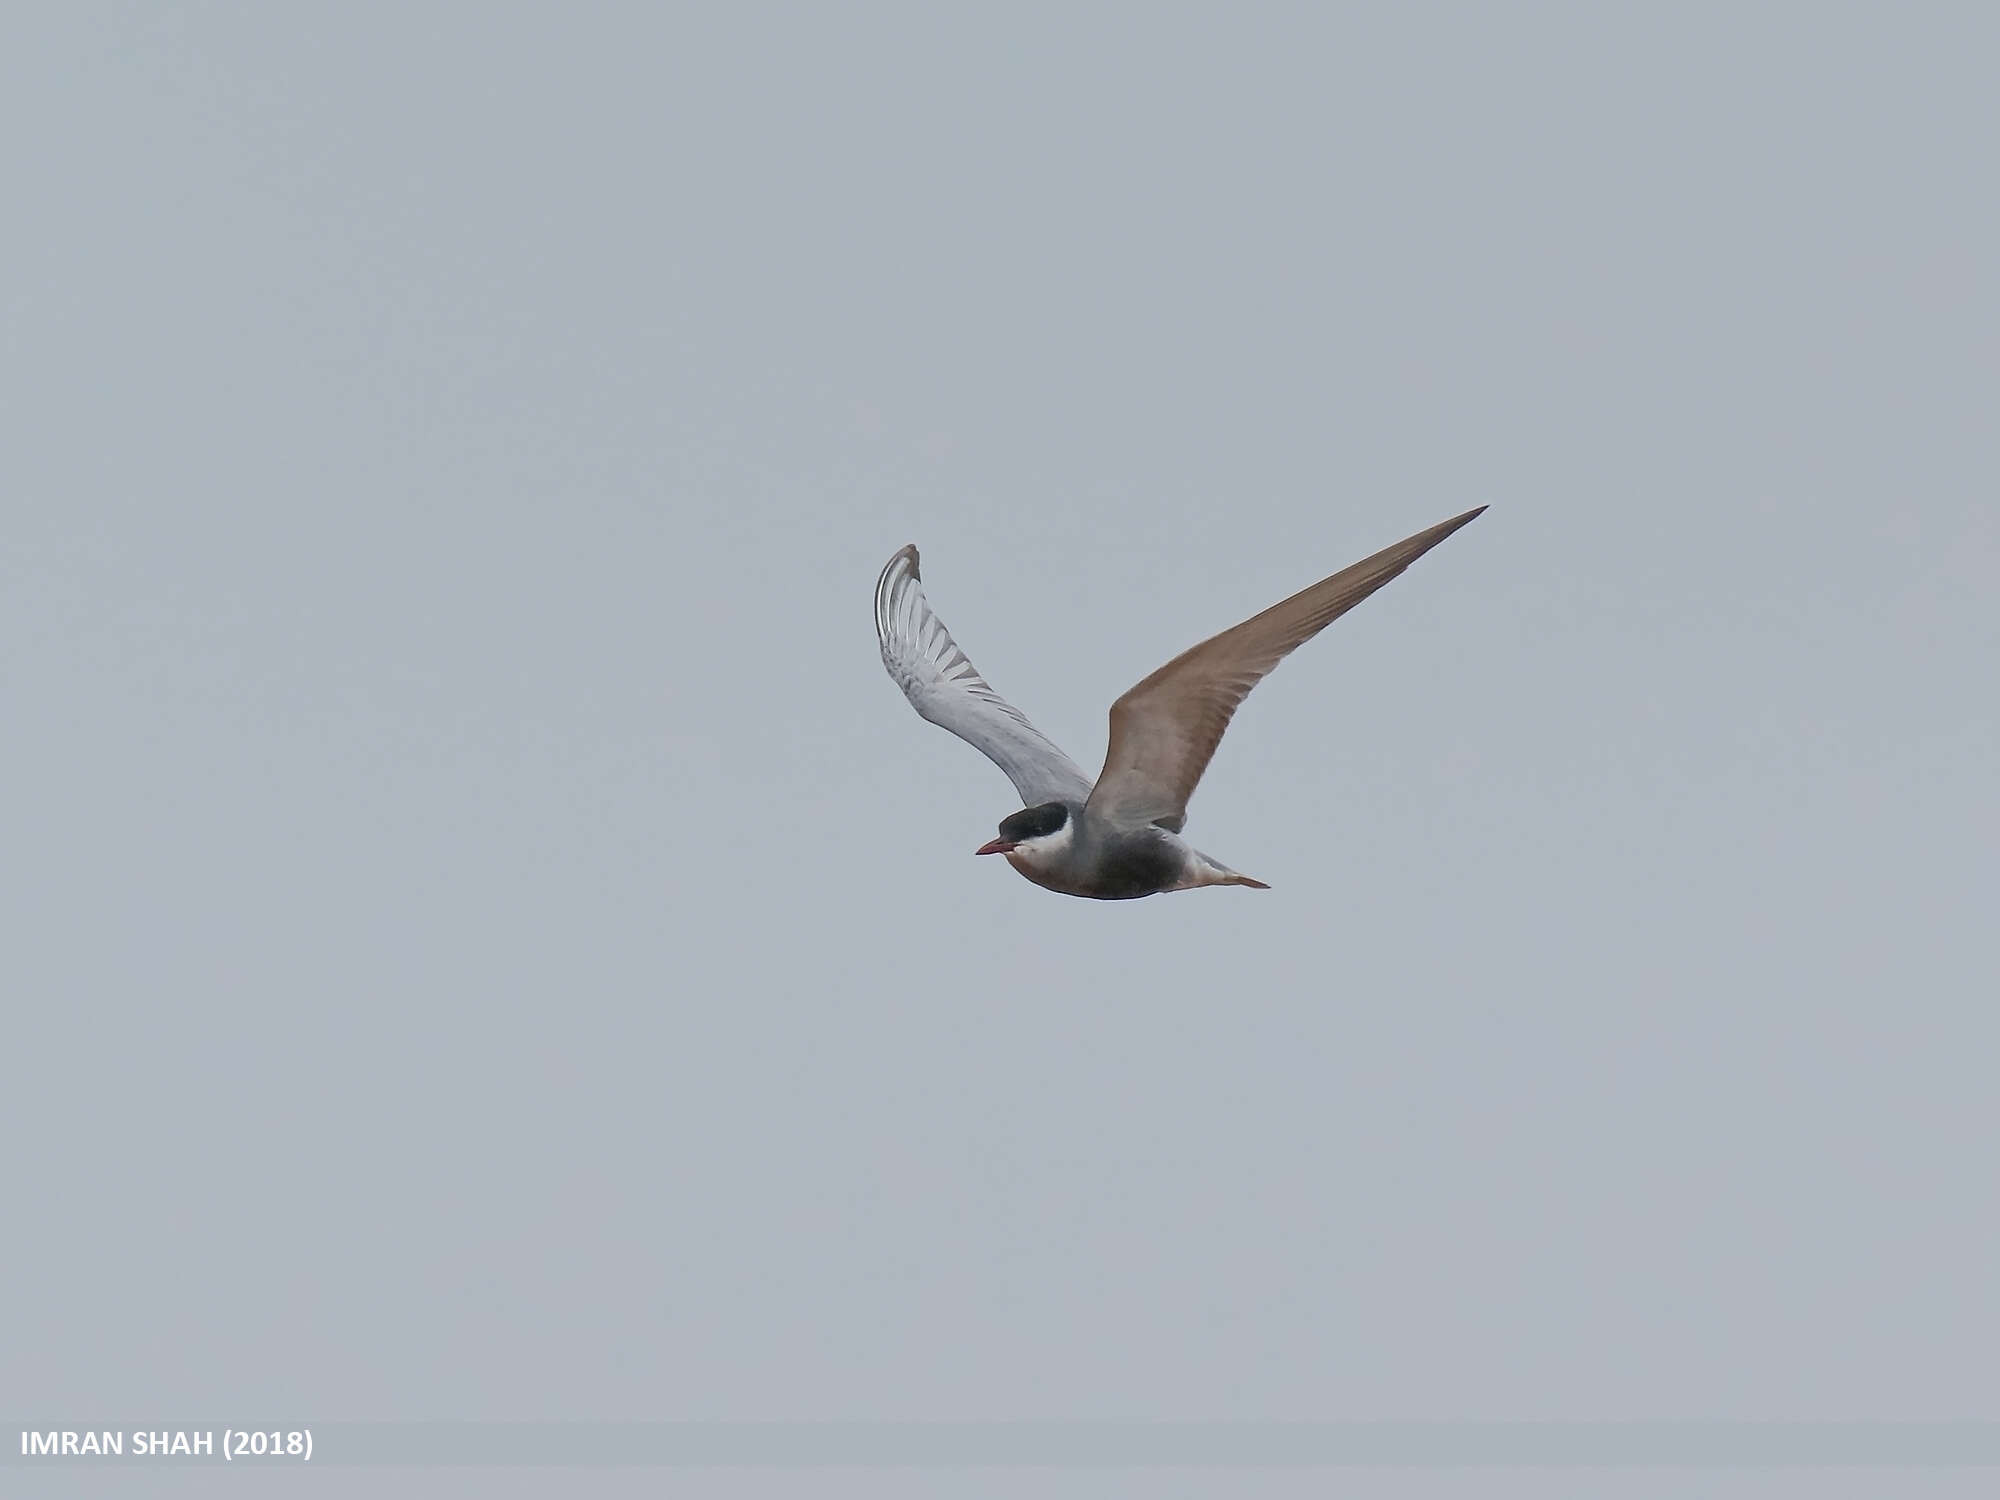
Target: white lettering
column 170, row 1444
column 76, row 1444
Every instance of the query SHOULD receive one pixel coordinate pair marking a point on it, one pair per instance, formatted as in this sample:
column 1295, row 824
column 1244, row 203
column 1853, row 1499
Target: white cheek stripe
column 1049, row 846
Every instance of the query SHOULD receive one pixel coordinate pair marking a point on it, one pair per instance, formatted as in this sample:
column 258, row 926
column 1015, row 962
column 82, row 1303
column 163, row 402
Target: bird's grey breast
column 1122, row 864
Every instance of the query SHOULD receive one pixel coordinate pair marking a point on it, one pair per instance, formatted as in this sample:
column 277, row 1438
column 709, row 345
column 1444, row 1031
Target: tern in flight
column 1121, row 837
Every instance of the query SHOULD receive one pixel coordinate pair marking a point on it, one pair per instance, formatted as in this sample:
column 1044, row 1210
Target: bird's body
column 1085, row 857
column 1119, row 837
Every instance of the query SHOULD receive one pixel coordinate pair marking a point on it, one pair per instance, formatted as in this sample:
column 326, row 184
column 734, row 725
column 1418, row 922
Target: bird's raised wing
column 945, row 687
column 1165, row 729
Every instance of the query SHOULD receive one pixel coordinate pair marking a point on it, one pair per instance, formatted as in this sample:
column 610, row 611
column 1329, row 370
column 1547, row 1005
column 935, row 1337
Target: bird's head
column 1033, row 835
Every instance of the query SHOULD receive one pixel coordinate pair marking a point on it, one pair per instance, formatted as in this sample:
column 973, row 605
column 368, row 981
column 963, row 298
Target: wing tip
column 889, row 589
column 903, row 564
column 1416, row 546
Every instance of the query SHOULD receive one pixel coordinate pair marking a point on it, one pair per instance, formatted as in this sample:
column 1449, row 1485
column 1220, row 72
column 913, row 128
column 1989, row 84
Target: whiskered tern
column 1119, row 838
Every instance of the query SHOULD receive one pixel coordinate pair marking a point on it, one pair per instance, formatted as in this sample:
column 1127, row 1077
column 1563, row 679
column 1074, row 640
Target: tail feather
column 1209, row 870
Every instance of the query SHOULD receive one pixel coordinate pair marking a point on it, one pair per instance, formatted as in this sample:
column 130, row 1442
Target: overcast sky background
column 485, row 939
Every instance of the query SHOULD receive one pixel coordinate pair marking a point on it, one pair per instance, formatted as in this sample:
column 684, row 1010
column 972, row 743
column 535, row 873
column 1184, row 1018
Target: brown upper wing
column 1165, row 729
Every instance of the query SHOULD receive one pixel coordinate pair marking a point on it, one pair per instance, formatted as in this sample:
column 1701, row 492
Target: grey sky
column 488, row 941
